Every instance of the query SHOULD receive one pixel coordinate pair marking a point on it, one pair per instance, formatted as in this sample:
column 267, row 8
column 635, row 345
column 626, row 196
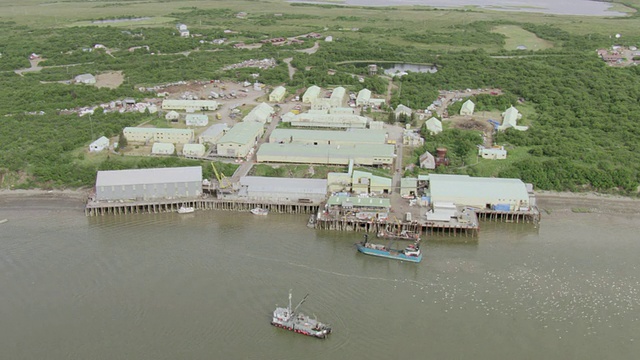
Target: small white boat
column 3, row 221
column 185, row 210
column 259, row 211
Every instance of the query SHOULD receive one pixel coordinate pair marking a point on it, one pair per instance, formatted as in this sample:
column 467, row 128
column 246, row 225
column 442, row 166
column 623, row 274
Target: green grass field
column 517, row 36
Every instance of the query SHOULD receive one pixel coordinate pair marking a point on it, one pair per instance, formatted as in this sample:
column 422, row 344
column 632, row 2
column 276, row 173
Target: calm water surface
column 564, row 7
column 203, row 286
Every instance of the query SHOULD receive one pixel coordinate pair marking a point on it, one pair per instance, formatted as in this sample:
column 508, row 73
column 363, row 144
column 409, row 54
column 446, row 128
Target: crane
column 222, row 180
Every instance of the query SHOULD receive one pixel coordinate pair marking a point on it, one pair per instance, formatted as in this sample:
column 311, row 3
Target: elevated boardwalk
column 162, row 206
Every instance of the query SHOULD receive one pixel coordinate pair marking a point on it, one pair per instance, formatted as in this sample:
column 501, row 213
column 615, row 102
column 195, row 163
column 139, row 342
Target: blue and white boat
column 410, row 253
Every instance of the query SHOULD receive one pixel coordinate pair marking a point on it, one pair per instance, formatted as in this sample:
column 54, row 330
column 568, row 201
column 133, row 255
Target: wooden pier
column 163, row 206
column 321, row 220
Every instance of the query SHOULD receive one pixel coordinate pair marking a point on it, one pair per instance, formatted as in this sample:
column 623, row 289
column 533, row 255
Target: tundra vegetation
column 583, row 114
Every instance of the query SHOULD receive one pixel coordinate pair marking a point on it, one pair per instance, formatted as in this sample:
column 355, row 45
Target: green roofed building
column 361, row 154
column 240, row 139
column 328, row 137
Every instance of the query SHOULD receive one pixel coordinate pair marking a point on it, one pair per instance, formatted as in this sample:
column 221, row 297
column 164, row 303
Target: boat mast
column 300, row 303
column 289, row 301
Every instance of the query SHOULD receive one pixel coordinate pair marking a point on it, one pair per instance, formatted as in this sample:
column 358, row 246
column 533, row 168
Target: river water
column 564, row 7
column 203, row 286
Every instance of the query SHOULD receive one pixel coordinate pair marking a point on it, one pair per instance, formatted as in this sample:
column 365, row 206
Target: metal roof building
column 361, row 154
column 366, row 182
column 478, row 191
column 213, row 133
column 172, row 115
column 163, row 149
column 147, row 184
column 401, row 109
column 338, row 97
column 311, row 94
column 363, row 98
column 99, row 144
column 328, row 137
column 239, row 141
column 261, row 113
column 189, row 105
column 283, row 189
column 467, row 108
column 277, row 94
column 434, row 126
column 193, row 150
column 340, row 121
column 197, row 120
column 509, row 119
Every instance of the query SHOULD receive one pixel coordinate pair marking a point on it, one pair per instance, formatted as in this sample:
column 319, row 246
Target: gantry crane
column 223, row 181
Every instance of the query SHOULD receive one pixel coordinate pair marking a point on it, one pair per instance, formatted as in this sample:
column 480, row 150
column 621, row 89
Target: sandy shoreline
column 547, row 201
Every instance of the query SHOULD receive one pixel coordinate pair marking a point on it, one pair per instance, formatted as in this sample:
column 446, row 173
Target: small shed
column 163, row 149
column 277, row 95
column 493, row 153
column 99, row 145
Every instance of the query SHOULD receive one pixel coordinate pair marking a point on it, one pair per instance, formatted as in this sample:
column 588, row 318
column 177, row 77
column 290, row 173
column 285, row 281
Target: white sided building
column 190, row 105
column 324, row 120
column 261, row 113
column 312, row 93
column 277, row 95
column 240, row 139
column 479, row 192
column 213, row 133
column 434, row 126
column 193, row 150
column 283, row 190
column 328, row 137
column 163, row 149
column 467, row 108
column 99, row 145
column 339, row 97
column 363, row 97
column 145, row 135
column 197, row 120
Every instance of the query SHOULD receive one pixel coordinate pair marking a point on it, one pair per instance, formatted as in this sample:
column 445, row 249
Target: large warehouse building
column 361, row 154
column 258, row 188
column 324, row 120
column 339, row 97
column 483, row 193
column 328, row 137
column 239, row 141
column 149, row 184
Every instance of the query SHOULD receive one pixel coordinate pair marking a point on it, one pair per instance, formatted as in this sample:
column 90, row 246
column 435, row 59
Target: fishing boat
column 298, row 322
column 402, row 235
column 185, row 210
column 410, row 253
column 259, row 211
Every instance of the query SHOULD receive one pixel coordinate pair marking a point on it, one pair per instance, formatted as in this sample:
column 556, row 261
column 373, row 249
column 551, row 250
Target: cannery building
column 149, row 184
